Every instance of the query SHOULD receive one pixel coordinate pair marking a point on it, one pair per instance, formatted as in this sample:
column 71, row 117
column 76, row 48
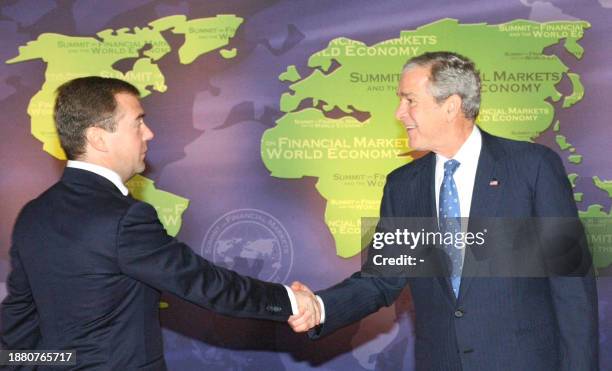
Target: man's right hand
column 310, row 312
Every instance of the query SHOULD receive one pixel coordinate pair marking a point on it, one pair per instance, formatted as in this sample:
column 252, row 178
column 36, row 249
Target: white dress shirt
column 465, row 175
column 116, row 180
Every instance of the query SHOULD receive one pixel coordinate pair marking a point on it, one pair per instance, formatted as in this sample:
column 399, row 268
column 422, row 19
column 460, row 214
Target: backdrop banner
column 274, row 132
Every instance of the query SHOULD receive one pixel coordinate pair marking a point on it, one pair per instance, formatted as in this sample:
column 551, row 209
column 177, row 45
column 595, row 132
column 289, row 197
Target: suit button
column 459, row 313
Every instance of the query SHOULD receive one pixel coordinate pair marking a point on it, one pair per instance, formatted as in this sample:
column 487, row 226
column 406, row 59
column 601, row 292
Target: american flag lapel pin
column 493, row 183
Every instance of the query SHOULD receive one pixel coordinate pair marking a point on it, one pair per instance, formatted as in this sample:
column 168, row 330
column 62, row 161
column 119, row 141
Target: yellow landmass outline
column 69, row 57
column 352, row 78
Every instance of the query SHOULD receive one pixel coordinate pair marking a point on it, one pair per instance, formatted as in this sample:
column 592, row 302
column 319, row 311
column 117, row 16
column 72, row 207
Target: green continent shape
column 578, row 91
column 205, row 34
column 572, row 178
column 169, row 207
column 598, row 227
column 562, row 142
column 556, row 126
column 307, row 143
column 571, row 44
column 578, row 196
column 69, row 57
column 575, row 159
column 350, row 79
column 228, row 53
column 604, row 185
column 291, row 74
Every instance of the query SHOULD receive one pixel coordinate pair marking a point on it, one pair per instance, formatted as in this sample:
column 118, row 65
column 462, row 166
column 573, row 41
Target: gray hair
column 451, row 73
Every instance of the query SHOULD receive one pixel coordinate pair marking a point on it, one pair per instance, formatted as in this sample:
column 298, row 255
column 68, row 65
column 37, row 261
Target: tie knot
column 450, row 166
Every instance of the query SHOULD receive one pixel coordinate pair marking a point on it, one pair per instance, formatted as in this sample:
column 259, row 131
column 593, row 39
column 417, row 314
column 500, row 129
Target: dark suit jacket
column 496, row 323
column 88, row 265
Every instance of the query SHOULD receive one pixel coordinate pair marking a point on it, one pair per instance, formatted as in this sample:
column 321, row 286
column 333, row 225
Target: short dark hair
column 86, row 102
column 451, row 73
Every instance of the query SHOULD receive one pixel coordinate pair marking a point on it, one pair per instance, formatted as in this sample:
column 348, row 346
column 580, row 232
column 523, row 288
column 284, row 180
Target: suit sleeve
column 358, row 296
column 148, row 254
column 574, row 298
column 20, row 323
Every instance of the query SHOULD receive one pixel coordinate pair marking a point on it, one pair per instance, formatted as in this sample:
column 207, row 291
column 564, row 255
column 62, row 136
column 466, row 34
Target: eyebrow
column 404, row 95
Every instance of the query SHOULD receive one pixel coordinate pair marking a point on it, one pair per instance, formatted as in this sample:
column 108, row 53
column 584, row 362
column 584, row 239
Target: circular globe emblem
column 251, row 242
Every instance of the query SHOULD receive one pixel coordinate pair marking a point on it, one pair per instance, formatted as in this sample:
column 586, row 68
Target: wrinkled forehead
column 414, row 80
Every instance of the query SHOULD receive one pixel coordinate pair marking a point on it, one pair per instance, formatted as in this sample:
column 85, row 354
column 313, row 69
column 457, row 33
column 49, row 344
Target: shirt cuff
column 322, row 307
column 294, row 306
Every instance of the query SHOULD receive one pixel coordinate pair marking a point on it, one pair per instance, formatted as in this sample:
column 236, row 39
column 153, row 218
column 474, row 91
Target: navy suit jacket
column 88, row 265
column 501, row 323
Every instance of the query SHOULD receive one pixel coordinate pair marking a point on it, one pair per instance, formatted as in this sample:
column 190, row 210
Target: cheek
column 136, row 140
column 415, row 114
column 412, row 112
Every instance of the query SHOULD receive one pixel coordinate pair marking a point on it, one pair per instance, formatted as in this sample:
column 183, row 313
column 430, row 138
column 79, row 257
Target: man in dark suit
column 89, row 261
column 466, row 322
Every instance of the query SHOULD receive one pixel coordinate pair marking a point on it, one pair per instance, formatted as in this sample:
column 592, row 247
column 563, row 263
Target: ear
column 96, row 139
column 452, row 107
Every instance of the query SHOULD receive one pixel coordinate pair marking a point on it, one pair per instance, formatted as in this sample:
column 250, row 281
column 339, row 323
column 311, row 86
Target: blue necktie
column 450, row 221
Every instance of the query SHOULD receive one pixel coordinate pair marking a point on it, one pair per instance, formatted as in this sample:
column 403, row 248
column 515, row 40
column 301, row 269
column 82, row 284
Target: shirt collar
column 100, row 170
column 469, row 151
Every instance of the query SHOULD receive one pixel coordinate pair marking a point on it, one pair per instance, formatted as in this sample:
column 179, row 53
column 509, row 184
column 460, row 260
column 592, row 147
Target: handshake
column 310, row 309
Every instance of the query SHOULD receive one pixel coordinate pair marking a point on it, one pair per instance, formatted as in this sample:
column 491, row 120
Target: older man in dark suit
column 466, row 322
column 89, row 261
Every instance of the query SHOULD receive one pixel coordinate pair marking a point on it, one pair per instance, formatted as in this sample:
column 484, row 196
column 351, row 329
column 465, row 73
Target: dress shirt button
column 459, row 313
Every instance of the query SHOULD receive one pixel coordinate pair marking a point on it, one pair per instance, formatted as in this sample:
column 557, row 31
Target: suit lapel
column 417, row 198
column 486, row 194
column 488, row 186
column 427, row 181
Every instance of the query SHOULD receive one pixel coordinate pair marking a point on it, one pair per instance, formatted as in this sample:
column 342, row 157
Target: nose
column 400, row 112
column 147, row 133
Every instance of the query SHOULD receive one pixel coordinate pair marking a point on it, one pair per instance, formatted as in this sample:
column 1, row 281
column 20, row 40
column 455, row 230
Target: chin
column 140, row 169
column 414, row 144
